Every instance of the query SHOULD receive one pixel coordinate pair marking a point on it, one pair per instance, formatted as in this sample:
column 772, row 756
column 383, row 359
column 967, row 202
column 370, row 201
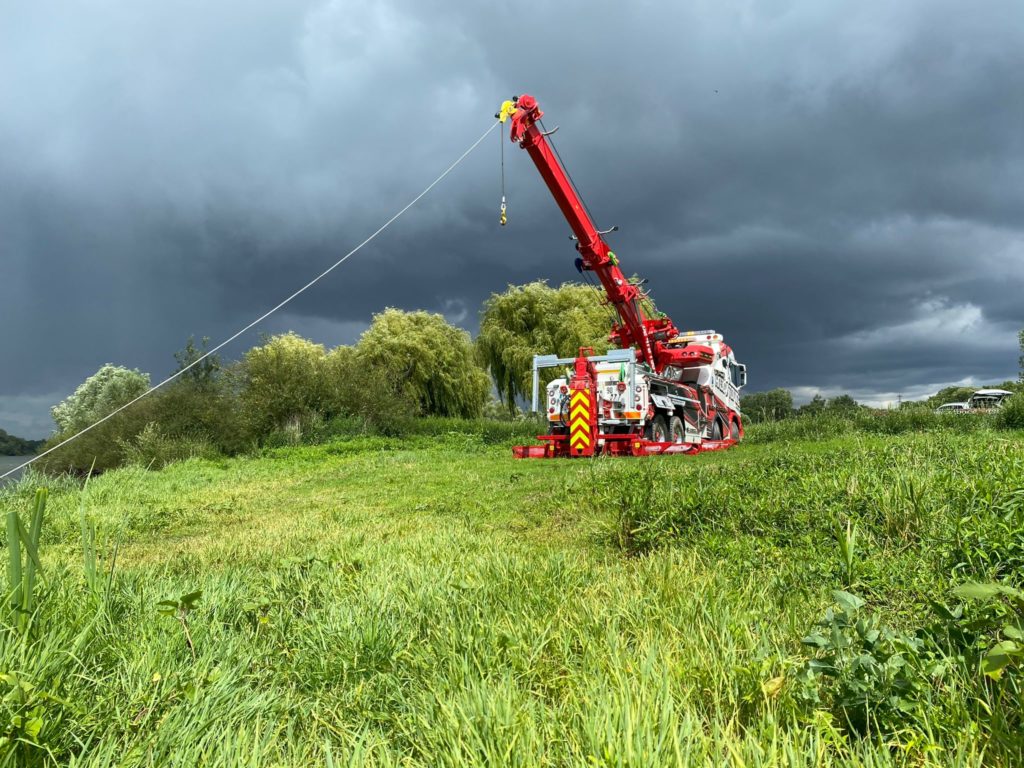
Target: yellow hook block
column 507, row 108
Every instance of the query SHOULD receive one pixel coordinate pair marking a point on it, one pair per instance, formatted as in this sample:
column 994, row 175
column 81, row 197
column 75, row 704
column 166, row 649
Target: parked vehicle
column 987, row 399
column 982, row 400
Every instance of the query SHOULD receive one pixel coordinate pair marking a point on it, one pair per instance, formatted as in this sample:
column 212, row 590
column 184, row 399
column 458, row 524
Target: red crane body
column 682, row 411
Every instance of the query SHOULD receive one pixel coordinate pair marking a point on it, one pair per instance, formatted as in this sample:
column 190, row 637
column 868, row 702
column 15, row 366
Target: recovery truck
column 661, row 390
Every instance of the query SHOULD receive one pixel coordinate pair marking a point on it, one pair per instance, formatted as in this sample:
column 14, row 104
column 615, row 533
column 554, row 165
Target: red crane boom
column 635, row 328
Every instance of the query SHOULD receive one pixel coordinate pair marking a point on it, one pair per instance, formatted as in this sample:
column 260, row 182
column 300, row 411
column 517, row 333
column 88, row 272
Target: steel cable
column 262, row 317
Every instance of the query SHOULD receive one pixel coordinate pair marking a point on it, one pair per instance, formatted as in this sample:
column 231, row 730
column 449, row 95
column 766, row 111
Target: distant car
column 986, row 399
column 952, row 408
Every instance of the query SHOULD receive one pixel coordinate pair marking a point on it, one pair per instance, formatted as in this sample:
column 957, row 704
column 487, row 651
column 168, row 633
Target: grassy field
column 432, row 602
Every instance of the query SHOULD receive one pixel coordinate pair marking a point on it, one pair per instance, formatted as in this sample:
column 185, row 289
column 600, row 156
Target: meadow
column 815, row 596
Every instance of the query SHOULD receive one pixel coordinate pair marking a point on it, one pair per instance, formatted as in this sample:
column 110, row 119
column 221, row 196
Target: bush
column 772, row 405
column 1011, row 415
column 101, row 448
column 871, row 677
column 377, row 395
column 210, row 411
column 154, row 448
column 202, row 419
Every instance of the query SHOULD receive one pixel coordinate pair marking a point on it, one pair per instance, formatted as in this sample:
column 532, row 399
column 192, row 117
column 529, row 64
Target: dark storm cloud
column 835, row 187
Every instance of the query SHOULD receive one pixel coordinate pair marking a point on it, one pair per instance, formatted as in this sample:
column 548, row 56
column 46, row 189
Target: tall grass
column 826, row 426
column 377, row 602
column 23, row 562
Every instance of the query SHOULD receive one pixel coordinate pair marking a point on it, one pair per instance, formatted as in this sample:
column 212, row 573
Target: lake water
column 9, row 462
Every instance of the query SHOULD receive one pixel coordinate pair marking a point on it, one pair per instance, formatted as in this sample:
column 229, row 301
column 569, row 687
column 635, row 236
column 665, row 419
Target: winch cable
column 266, row 314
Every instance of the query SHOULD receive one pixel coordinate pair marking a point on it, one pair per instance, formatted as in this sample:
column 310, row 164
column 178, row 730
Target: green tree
column 203, row 403
column 842, row 404
column 101, row 448
column 814, row 407
column 99, row 395
column 427, row 360
column 202, row 373
column 376, row 395
column 281, row 383
column 17, row 446
column 772, row 405
column 536, row 319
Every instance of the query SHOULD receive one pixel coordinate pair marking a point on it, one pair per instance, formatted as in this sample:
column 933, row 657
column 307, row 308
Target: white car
column 953, row 408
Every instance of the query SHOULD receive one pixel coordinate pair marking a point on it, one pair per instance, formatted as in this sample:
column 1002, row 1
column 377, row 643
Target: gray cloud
column 836, row 188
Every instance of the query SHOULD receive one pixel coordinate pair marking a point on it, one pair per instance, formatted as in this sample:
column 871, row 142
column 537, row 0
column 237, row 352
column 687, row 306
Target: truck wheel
column 734, row 430
column 676, row 430
column 716, row 429
column 657, row 430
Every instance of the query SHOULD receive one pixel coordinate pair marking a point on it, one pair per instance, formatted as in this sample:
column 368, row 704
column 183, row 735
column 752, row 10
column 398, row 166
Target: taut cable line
column 266, row 314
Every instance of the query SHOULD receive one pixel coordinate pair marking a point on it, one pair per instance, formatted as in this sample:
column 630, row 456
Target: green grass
column 429, row 601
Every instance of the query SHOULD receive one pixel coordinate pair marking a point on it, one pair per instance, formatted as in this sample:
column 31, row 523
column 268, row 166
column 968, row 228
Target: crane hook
column 504, row 218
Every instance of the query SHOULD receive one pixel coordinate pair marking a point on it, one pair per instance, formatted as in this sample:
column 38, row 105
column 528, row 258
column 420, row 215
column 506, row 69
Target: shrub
column 101, row 448
column 153, row 447
column 772, row 405
column 377, row 395
column 870, row 676
column 1011, row 415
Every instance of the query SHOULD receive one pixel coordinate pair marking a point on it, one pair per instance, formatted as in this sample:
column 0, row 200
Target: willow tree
column 282, row 381
column 536, row 319
column 434, row 360
column 98, row 396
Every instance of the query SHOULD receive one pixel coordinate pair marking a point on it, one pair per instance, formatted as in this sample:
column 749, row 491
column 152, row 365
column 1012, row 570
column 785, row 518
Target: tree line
column 406, row 365
column 17, row 446
column 289, row 389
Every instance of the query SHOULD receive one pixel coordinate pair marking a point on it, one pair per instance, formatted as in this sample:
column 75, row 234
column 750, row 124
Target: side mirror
column 743, row 375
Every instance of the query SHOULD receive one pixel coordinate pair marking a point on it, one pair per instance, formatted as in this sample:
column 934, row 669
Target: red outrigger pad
column 556, row 446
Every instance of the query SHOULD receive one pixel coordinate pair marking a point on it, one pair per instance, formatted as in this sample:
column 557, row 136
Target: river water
column 9, row 462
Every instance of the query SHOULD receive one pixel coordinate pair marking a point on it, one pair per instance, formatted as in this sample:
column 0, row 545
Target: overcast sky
column 836, row 187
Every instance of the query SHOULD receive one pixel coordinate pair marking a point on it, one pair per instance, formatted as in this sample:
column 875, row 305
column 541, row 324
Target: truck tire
column 657, row 430
column 716, row 429
column 734, row 430
column 676, row 430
